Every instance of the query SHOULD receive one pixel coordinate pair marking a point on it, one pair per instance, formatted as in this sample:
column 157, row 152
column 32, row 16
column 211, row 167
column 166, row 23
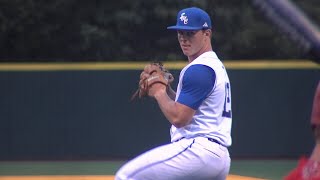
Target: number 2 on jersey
column 227, row 102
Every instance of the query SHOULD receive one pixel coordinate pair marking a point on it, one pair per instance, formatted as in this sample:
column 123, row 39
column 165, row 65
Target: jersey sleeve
column 198, row 81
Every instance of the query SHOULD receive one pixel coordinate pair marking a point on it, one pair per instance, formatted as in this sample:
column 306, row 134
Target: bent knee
column 120, row 175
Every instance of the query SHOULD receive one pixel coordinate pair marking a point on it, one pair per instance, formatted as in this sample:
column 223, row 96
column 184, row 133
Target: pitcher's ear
column 208, row 32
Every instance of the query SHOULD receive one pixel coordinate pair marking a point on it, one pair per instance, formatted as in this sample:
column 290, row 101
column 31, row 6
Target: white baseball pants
column 194, row 159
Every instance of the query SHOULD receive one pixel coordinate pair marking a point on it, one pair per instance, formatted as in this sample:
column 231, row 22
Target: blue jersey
column 205, row 87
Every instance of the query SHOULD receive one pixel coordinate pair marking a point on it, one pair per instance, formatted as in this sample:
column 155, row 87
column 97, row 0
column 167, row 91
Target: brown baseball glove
column 152, row 73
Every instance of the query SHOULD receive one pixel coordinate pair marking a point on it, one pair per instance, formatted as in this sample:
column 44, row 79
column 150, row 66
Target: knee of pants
column 123, row 174
column 120, row 176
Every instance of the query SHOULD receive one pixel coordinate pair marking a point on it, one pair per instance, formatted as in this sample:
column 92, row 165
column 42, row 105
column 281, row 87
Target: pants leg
column 186, row 159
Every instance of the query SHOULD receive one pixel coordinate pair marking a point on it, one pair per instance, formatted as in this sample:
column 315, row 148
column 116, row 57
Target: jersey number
column 227, row 102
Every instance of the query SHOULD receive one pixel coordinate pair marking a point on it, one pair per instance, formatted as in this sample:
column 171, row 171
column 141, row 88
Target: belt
column 210, row 139
column 216, row 141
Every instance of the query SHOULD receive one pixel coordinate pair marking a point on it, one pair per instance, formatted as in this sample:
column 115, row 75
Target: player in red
column 309, row 169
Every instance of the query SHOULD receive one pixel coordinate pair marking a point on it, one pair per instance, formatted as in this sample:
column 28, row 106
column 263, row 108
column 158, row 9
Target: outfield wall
column 82, row 111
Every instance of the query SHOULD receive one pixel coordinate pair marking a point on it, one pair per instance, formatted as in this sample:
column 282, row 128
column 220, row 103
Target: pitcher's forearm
column 177, row 114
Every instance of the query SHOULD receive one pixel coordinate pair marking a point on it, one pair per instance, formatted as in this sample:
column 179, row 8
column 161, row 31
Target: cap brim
column 184, row 28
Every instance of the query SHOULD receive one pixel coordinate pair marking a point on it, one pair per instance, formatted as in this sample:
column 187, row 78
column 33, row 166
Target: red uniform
column 308, row 169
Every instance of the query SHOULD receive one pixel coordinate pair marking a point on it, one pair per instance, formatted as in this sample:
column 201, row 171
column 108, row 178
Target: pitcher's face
column 192, row 42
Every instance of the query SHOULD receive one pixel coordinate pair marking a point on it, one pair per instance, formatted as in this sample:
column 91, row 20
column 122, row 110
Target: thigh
column 157, row 163
column 186, row 159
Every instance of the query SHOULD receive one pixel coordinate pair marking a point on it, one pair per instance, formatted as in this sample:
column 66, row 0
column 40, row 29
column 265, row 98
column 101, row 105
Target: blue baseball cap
column 192, row 19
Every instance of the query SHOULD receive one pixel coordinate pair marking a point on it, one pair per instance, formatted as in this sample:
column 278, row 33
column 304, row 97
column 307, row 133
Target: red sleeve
column 306, row 170
column 296, row 173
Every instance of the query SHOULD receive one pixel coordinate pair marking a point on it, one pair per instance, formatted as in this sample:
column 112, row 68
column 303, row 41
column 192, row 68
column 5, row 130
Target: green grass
column 267, row 169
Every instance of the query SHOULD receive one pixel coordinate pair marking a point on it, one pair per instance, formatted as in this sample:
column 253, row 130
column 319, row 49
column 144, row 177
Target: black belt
column 210, row 139
column 216, row 141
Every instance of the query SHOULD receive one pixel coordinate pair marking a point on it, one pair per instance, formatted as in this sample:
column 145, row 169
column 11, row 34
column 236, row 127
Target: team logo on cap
column 205, row 24
column 184, row 18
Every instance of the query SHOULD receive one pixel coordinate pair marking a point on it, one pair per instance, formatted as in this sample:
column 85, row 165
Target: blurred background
column 65, row 97
column 125, row 30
